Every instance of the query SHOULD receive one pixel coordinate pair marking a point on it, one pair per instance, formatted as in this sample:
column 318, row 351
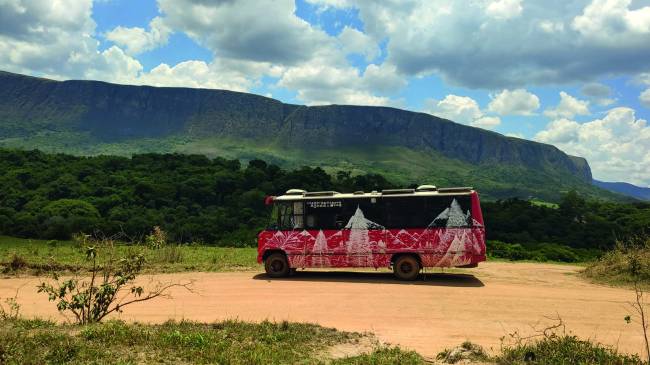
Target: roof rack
column 455, row 189
column 397, row 191
column 320, row 193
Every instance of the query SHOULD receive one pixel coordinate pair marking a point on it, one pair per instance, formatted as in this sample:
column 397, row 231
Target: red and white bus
column 405, row 229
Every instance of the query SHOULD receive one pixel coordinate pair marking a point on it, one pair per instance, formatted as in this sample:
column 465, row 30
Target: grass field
column 19, row 255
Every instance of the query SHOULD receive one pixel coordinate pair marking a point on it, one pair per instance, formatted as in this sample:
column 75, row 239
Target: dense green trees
column 219, row 201
column 192, row 197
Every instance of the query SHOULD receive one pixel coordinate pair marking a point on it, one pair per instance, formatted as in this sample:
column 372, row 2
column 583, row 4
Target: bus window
column 285, row 211
column 298, row 215
column 275, row 218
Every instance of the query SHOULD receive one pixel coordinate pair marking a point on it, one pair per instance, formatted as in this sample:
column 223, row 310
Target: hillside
column 90, row 117
column 625, row 189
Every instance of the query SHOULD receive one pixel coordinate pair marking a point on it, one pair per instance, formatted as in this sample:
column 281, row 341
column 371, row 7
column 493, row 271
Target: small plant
column 466, row 351
column 17, row 262
column 12, row 310
column 157, row 238
column 110, row 288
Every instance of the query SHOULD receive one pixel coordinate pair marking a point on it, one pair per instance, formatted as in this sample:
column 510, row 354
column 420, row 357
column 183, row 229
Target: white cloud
column 644, row 98
column 542, row 42
column 461, row 109
column 486, row 122
column 514, row 102
column 504, row 9
column 137, row 40
column 260, row 31
column 568, row 107
column 612, row 21
column 616, row 146
column 318, row 84
column 355, row 41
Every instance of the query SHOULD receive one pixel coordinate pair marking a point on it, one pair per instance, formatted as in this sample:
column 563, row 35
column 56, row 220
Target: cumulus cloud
column 318, row 84
column 514, row 102
column 247, row 30
column 616, row 146
column 136, row 40
column 486, row 122
column 644, row 98
column 504, row 9
column 542, row 41
column 568, row 107
column 461, row 109
column 54, row 39
column 355, row 41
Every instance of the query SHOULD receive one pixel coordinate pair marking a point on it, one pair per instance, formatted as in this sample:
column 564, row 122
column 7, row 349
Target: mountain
column 625, row 189
column 91, row 117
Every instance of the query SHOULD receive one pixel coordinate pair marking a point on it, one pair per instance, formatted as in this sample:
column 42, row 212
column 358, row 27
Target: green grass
column 229, row 342
column 19, row 255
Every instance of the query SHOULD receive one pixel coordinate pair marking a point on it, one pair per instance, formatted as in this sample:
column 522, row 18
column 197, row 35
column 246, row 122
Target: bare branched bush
column 635, row 267
column 110, row 287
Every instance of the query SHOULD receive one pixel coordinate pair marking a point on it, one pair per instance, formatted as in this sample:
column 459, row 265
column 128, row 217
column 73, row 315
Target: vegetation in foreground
column 234, row 342
column 627, row 264
column 229, row 342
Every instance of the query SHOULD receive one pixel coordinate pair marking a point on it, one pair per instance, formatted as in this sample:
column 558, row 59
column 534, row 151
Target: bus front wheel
column 276, row 265
column 406, row 267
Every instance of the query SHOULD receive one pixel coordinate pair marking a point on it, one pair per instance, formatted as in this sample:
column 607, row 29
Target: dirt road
column 439, row 311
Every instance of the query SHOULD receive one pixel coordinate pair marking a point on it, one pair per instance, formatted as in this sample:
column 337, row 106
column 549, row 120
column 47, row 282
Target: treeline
column 191, row 197
column 220, row 201
column 575, row 222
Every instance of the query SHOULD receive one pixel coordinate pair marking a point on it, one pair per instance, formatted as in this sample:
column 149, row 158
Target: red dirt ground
column 440, row 310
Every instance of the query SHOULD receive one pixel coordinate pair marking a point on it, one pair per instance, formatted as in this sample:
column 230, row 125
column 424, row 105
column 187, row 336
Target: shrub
column 91, row 300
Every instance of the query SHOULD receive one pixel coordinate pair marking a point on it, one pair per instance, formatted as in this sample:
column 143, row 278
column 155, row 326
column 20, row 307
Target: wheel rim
column 406, row 267
column 277, row 265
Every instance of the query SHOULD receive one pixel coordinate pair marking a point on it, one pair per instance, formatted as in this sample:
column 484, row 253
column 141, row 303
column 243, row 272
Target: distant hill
column 90, row 117
column 625, row 189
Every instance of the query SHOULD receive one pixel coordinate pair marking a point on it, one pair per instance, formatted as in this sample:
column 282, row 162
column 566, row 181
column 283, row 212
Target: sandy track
column 439, row 311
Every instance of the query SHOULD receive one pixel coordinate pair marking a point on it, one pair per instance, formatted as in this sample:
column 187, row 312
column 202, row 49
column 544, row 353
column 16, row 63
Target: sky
column 571, row 73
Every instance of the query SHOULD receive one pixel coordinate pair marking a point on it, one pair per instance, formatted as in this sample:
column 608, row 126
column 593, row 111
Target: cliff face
column 110, row 112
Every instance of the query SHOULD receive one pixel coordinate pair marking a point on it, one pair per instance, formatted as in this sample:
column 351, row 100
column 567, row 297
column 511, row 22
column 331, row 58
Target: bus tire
column 277, row 266
column 406, row 267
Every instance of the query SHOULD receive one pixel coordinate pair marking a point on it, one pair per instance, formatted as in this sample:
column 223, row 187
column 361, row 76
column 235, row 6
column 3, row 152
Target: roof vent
column 358, row 192
column 295, row 192
column 397, row 191
column 426, row 188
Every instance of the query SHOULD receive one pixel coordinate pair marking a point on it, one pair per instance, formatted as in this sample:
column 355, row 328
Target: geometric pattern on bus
column 365, row 243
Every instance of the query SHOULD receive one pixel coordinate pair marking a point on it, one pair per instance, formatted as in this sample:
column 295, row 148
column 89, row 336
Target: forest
column 221, row 202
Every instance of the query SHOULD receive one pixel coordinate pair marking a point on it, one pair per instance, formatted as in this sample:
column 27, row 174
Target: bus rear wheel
column 406, row 267
column 276, row 265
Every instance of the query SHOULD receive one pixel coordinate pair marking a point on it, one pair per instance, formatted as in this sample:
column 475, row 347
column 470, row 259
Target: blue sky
column 572, row 74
